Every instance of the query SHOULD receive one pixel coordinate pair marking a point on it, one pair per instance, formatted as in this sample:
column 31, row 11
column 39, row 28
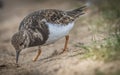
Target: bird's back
column 51, row 16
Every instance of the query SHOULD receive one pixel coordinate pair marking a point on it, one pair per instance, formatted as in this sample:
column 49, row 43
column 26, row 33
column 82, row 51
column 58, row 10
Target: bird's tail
column 77, row 12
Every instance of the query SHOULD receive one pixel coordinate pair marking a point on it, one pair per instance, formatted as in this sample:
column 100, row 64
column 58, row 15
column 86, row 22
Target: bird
column 44, row 27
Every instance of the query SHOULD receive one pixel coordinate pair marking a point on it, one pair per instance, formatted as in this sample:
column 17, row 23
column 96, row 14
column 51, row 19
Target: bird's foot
column 34, row 59
column 64, row 50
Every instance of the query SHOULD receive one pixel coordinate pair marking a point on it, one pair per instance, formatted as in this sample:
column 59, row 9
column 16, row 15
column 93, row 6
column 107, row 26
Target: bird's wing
column 52, row 16
column 38, row 33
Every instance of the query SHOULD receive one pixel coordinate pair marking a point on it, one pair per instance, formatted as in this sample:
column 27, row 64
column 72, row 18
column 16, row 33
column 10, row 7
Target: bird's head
column 19, row 42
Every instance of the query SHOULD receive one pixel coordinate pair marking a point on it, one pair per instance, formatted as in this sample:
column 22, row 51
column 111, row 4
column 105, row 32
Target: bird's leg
column 66, row 43
column 38, row 54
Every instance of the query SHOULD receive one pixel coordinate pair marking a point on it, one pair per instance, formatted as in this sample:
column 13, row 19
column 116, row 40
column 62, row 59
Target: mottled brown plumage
column 35, row 29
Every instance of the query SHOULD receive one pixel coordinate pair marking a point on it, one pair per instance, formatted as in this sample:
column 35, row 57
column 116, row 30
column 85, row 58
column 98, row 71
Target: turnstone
column 44, row 27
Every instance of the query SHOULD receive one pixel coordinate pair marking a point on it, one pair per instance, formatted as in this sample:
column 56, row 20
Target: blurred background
column 94, row 46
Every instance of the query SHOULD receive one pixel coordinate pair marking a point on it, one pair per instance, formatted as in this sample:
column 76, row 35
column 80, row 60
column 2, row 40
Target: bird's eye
column 21, row 44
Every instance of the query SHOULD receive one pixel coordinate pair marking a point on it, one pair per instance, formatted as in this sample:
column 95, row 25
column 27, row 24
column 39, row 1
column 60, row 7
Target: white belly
column 58, row 31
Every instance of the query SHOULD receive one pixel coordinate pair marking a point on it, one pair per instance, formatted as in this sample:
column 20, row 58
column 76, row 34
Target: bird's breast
column 57, row 31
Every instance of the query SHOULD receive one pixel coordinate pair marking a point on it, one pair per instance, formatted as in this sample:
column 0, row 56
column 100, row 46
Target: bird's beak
column 17, row 55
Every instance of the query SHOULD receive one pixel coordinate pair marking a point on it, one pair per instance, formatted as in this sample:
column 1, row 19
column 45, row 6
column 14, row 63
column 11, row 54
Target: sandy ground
column 50, row 62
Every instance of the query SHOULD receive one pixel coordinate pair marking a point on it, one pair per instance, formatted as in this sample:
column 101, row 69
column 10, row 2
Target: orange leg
column 66, row 43
column 38, row 54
